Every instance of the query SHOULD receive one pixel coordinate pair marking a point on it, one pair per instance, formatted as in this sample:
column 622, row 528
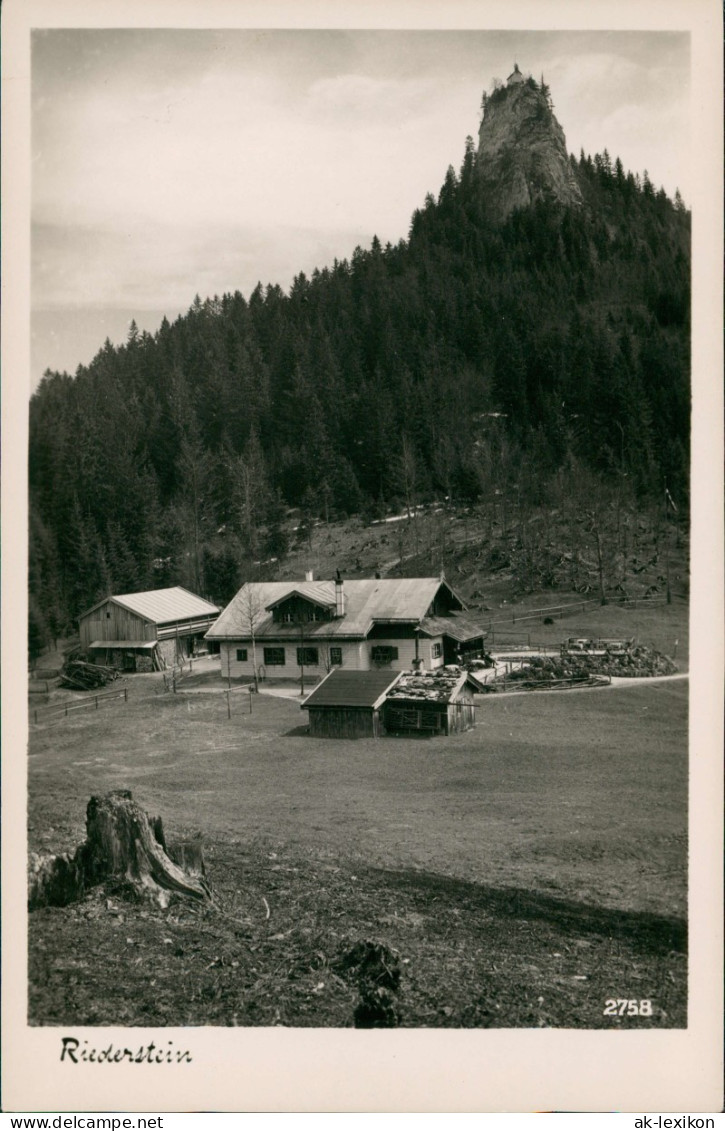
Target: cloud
column 232, row 146
column 636, row 107
column 168, row 163
column 151, row 267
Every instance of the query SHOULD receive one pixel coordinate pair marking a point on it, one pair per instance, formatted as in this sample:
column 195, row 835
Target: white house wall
column 356, row 655
column 353, row 656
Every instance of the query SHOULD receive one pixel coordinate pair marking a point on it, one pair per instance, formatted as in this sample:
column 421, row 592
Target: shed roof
column 352, row 689
column 162, row 606
column 391, row 600
column 442, row 685
column 116, row 645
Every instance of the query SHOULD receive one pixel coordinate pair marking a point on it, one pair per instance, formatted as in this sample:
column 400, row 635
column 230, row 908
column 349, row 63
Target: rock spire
column 522, row 155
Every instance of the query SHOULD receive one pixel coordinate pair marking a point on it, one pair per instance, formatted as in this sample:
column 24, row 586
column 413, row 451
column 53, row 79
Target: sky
column 169, row 163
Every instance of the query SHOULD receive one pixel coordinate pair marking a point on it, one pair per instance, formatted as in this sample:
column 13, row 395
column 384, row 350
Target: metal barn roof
column 162, row 606
column 352, row 689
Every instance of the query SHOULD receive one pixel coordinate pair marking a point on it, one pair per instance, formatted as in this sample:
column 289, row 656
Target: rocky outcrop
column 522, row 154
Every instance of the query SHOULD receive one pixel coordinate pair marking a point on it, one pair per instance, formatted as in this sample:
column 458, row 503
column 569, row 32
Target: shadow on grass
column 297, row 732
column 650, row 933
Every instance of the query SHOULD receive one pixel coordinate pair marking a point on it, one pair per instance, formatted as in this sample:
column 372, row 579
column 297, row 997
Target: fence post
column 96, row 702
column 125, row 695
column 250, row 699
column 229, row 706
column 66, row 710
column 36, row 712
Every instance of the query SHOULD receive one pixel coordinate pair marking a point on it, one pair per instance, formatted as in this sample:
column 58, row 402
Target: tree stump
column 122, row 844
column 376, row 970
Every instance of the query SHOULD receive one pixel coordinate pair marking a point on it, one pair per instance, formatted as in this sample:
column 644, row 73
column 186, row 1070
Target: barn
column 347, row 704
column 437, row 702
column 146, row 631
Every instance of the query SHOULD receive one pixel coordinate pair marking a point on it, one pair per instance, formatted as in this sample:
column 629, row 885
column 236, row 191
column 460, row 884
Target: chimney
column 339, row 596
column 309, row 576
column 417, row 662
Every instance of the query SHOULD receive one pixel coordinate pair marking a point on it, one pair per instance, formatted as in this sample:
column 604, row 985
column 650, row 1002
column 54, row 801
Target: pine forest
column 539, row 362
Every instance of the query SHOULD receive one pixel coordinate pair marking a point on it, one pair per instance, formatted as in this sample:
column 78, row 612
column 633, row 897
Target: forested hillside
column 470, row 359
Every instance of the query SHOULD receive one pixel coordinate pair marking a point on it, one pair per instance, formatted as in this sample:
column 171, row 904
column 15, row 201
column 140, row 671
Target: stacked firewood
column 80, row 676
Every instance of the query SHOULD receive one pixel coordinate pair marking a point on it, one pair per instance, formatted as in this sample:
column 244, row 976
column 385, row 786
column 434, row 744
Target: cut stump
column 122, row 844
column 376, row 970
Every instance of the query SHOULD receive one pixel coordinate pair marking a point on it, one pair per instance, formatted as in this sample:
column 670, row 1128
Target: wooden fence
column 557, row 612
column 505, row 684
column 55, row 711
column 519, row 642
column 174, row 682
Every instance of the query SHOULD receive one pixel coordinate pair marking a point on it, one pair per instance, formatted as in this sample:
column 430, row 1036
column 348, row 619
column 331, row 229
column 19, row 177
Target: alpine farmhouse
column 310, row 627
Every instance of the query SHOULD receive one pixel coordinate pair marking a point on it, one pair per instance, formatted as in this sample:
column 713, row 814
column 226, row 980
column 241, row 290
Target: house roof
column 351, row 688
column 162, row 606
column 459, row 626
column 319, row 592
column 387, row 600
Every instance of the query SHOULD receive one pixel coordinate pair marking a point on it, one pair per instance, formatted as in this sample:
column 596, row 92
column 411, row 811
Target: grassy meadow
column 524, row 872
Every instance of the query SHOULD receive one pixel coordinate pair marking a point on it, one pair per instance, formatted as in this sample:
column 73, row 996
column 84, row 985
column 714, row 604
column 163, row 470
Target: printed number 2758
column 621, row 1007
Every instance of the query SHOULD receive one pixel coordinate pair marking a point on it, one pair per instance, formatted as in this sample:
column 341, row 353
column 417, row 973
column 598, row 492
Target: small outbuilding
column 438, row 702
column 347, row 704
column 146, row 631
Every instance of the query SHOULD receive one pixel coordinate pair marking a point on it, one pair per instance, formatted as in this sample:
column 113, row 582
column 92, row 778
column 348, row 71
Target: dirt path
column 622, row 681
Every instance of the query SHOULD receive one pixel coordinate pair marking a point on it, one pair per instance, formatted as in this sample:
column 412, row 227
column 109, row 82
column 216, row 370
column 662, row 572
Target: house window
column 274, row 656
column 383, row 654
column 436, row 650
column 288, row 618
column 307, row 657
column 336, row 657
column 242, row 655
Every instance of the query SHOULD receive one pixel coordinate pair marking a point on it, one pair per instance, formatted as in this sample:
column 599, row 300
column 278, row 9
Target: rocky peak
column 522, row 154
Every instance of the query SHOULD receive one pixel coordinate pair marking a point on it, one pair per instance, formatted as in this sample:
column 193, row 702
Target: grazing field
column 525, row 871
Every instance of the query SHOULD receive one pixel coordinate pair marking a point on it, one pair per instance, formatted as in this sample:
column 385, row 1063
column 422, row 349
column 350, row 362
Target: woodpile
column 81, row 676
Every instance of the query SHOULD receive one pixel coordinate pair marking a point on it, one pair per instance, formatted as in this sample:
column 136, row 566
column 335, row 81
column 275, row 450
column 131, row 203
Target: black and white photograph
column 361, row 665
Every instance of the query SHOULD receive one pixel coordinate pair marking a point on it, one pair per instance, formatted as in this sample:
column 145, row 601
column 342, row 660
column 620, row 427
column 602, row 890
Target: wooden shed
column 347, row 703
column 438, row 702
column 146, row 631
